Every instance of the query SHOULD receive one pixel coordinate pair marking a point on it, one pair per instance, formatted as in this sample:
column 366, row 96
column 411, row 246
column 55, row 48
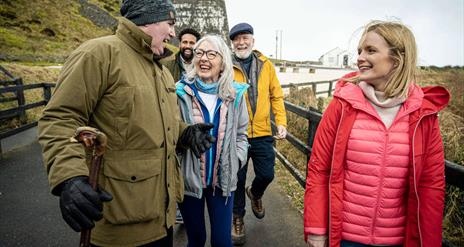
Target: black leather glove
column 197, row 138
column 80, row 205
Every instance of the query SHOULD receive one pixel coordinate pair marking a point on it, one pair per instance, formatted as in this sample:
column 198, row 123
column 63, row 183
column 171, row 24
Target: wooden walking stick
column 94, row 141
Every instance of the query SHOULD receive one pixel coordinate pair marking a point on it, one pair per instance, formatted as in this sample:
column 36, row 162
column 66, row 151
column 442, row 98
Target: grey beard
column 243, row 55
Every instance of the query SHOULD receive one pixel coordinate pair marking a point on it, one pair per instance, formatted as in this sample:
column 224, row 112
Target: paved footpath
column 30, row 216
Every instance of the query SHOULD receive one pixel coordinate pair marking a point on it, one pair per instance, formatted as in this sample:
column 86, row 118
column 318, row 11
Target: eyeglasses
column 210, row 54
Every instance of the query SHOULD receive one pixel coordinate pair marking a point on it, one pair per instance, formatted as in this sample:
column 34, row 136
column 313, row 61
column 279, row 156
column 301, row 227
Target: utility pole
column 280, row 44
column 277, row 44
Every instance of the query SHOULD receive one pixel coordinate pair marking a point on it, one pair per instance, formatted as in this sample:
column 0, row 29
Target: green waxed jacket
column 174, row 65
column 113, row 83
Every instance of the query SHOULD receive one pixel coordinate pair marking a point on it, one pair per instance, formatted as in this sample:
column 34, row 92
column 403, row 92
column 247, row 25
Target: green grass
column 9, row 38
column 29, row 74
column 111, row 6
column 25, row 29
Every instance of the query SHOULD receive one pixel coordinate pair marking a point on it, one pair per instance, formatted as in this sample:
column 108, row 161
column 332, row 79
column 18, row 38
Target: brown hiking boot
column 238, row 231
column 256, row 204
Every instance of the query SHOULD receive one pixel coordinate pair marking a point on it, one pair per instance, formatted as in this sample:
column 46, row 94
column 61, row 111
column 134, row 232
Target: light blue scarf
column 209, row 88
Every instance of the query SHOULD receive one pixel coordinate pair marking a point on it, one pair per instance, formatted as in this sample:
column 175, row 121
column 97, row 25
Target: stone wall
column 95, row 14
column 206, row 16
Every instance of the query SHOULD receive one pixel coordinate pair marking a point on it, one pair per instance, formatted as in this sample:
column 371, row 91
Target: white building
column 336, row 58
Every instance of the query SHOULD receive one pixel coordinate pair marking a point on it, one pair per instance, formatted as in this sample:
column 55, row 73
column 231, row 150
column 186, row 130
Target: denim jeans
column 220, row 217
column 262, row 154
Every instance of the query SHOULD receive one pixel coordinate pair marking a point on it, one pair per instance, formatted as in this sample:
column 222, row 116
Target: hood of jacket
column 260, row 56
column 428, row 99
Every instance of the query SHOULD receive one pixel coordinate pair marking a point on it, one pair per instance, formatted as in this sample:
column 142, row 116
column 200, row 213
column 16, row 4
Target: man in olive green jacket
column 116, row 84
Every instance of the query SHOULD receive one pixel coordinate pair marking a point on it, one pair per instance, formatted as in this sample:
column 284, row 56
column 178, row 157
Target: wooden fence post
column 21, row 100
column 308, row 155
column 312, row 132
column 47, row 92
column 330, row 88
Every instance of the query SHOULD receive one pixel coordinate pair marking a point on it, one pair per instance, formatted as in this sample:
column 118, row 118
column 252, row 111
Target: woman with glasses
column 208, row 94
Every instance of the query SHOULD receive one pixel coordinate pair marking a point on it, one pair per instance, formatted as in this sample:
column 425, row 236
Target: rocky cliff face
column 206, row 16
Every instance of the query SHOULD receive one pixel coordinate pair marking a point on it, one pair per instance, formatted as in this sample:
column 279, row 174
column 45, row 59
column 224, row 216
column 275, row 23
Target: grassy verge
column 30, row 75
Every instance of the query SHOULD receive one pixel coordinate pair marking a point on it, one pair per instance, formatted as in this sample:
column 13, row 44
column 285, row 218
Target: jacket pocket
column 135, row 186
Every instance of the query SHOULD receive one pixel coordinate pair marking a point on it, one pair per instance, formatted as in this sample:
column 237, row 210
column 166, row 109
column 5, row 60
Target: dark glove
column 80, row 205
column 197, row 138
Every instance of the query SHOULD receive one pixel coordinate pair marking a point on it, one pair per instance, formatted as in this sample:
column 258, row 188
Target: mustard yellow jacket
column 269, row 95
column 112, row 83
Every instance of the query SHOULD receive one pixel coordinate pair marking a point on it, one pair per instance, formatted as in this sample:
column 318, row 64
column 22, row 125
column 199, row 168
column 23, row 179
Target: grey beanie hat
column 142, row 12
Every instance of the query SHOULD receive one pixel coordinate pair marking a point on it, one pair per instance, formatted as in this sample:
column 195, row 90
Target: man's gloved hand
column 197, row 138
column 80, row 205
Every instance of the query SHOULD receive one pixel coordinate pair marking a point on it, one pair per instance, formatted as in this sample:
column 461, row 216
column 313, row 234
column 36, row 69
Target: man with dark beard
column 181, row 63
column 264, row 93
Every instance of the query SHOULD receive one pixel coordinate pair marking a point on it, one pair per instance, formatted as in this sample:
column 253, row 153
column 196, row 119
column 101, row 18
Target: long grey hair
column 226, row 76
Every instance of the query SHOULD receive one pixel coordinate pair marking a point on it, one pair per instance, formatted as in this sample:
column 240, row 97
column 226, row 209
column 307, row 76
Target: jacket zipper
column 252, row 129
column 382, row 169
column 197, row 103
column 414, row 170
column 330, row 175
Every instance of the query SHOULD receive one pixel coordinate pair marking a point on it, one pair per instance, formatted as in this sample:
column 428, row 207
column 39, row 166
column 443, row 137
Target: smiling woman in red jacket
column 376, row 172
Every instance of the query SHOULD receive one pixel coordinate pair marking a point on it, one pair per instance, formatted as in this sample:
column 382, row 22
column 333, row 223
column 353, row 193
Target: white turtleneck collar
column 378, row 97
column 387, row 108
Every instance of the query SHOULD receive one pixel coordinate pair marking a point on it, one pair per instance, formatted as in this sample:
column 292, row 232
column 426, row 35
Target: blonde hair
column 226, row 77
column 403, row 52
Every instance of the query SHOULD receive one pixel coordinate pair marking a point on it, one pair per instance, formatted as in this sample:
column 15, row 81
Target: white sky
column 311, row 28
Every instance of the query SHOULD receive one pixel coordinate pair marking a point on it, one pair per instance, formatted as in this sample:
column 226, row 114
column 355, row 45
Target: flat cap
column 240, row 28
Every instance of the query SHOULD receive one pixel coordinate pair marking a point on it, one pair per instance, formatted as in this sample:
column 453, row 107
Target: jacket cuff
column 315, row 230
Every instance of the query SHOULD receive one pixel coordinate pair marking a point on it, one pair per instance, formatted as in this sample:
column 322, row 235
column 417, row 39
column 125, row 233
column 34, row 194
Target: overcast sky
column 311, row 28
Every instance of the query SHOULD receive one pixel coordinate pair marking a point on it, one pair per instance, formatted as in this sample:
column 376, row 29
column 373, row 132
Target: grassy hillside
column 47, row 30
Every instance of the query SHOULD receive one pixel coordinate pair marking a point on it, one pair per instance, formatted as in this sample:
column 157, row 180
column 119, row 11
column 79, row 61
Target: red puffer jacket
column 324, row 184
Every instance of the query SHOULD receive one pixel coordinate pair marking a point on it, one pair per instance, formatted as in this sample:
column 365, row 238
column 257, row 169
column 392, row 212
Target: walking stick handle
column 96, row 141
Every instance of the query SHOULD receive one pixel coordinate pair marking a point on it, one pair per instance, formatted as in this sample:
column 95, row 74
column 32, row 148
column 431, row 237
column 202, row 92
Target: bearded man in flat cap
column 117, row 85
column 263, row 95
